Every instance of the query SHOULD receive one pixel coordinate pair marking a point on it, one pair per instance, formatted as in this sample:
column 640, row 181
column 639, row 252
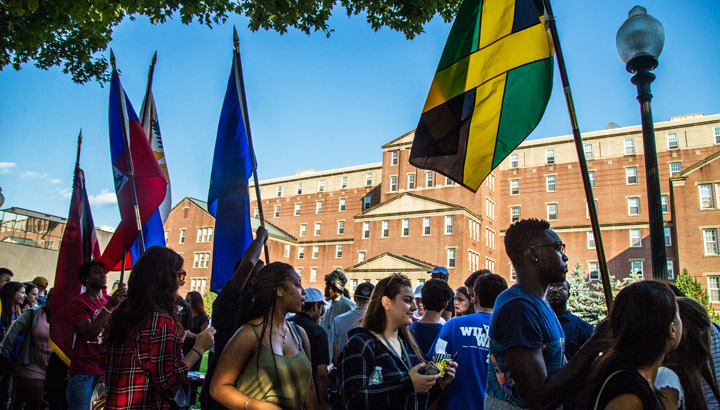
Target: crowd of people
column 275, row 345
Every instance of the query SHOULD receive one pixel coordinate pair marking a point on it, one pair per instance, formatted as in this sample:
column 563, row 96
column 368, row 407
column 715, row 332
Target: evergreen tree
column 693, row 289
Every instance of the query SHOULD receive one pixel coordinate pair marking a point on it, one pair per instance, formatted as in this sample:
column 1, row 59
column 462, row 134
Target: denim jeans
column 79, row 390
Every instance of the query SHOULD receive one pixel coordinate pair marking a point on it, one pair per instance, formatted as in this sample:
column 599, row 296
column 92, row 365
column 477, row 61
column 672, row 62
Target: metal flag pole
column 145, row 111
column 241, row 90
column 607, row 290
column 128, row 155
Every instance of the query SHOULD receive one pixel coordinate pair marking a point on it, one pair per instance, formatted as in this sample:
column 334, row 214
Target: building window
column 368, row 179
column 474, row 229
column 255, row 212
column 631, row 176
column 550, row 156
column 489, row 208
column 670, row 270
column 590, row 240
column 321, row 185
column 514, row 161
column 664, row 204
column 717, row 195
column 297, row 209
column 198, row 285
column 318, row 207
column 675, row 168
column 550, row 183
column 426, row 225
column 393, row 183
column 490, row 264
column 473, row 261
column 635, row 238
column 313, row 274
column 714, row 288
column 385, row 229
column 593, row 270
column 448, row 181
column 316, row 252
column 338, row 251
column 182, row 236
column 366, row 230
column 301, row 252
column 552, row 212
column 514, row 187
column 394, row 157
column 591, row 177
column 405, row 227
column 451, row 257
column 299, row 188
column 633, row 206
column 636, row 268
column 428, row 179
column 201, row 259
column 589, row 151
column 167, row 234
column 341, row 228
column 186, row 211
column 303, row 230
column 706, row 196
column 668, row 237
column 361, row 256
column 278, row 191
column 411, row 181
column 711, row 242
column 490, row 182
column 629, row 146
column 672, row 141
column 343, row 182
column 514, row 214
column 513, row 274
column 277, row 211
column 366, row 202
column 204, row 235
column 448, row 224
column 299, row 272
column 317, row 229
column 342, row 205
column 716, row 134
column 286, row 251
column 490, row 238
column 587, row 209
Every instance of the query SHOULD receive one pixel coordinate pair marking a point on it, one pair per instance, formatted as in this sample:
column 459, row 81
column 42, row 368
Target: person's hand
column 261, row 234
column 601, row 339
column 118, row 297
column 421, row 382
column 205, row 340
column 450, row 370
column 263, row 405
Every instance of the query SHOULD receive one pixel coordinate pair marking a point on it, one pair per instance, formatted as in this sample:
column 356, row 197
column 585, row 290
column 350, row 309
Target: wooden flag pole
column 240, row 81
column 607, row 290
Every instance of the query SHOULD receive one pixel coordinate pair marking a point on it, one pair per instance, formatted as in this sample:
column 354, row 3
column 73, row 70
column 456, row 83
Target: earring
column 536, row 260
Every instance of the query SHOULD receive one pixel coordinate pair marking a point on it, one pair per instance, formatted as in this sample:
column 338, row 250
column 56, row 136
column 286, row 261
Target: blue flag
column 228, row 199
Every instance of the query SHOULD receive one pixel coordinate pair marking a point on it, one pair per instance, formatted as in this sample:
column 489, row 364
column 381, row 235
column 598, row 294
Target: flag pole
column 122, row 267
column 146, row 107
column 607, row 290
column 128, row 156
column 253, row 160
column 77, row 158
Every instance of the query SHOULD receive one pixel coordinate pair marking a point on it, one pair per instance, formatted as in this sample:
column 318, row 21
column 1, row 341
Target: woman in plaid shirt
column 144, row 367
column 384, row 341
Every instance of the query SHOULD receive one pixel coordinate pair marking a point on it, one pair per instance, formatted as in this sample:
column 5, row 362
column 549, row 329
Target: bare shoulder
column 625, row 402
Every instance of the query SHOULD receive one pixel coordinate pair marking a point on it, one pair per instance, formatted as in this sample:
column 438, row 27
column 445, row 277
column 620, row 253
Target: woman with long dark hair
column 463, row 302
column 380, row 366
column 646, row 326
column 31, row 296
column 266, row 364
column 12, row 296
column 143, row 362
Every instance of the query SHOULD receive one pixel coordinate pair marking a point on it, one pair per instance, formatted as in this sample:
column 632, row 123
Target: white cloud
column 54, row 180
column 29, row 174
column 6, row 168
column 103, row 199
column 66, row 193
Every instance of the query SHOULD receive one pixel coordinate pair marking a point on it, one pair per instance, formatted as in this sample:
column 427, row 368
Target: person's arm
column 322, row 385
column 89, row 328
column 249, row 259
column 204, row 341
column 625, row 402
column 311, row 402
column 336, row 354
column 19, row 327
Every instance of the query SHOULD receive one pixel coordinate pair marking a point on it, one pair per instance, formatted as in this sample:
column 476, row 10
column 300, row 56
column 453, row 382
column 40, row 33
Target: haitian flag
column 127, row 138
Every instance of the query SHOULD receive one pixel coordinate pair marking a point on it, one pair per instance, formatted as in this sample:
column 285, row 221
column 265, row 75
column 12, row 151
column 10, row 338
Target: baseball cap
column 418, row 292
column 439, row 271
column 313, row 295
column 40, row 281
column 337, row 279
column 364, row 290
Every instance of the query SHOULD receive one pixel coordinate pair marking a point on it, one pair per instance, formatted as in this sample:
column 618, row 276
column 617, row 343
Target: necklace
column 284, row 336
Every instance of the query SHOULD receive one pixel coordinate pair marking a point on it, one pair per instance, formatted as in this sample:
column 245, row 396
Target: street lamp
column 639, row 42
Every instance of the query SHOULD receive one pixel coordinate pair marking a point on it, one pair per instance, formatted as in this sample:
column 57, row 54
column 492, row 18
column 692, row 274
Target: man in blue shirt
column 467, row 336
column 526, row 340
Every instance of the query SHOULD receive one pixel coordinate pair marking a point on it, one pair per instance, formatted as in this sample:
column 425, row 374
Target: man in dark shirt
column 312, row 310
column 436, row 295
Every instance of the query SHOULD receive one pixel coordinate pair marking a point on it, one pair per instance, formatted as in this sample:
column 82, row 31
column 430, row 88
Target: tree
column 208, row 299
column 694, row 290
column 70, row 33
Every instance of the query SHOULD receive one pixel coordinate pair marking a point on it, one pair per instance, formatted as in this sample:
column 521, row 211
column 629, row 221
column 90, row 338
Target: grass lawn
column 203, row 369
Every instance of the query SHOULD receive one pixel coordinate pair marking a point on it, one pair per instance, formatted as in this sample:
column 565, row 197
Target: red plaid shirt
column 147, row 370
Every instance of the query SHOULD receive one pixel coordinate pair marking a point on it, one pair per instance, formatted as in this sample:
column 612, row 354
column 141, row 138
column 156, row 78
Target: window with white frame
column 474, row 230
column 361, row 256
column 552, row 212
column 489, row 208
column 587, row 208
column 353, row 285
column 668, row 237
column 513, row 274
column 201, row 259
column 167, row 234
column 716, row 134
column 550, row 156
column 341, row 207
column 321, row 185
column 717, row 195
column 411, row 181
column 301, row 252
column 317, row 229
column 514, row 214
column 315, row 252
column 635, row 238
column 670, row 269
column 204, row 234
column 590, row 240
column 385, row 229
column 198, row 285
column 286, row 251
column 675, row 168
column 426, row 225
column 343, row 182
column 473, row 261
column 405, row 227
column 706, row 196
column 368, row 179
column 367, row 200
column 550, row 183
column 341, row 228
column 713, row 285
column 448, row 181
column 629, row 145
column 514, row 187
column 313, row 274
column 429, row 179
column 589, row 154
column 451, row 258
column 182, row 236
column 338, row 251
column 490, row 182
column 318, row 207
column 710, row 241
column 303, row 230
column 593, row 270
column 664, row 204
column 631, row 176
column 514, row 161
column 255, row 212
column 299, row 272
column 636, row 267
column 633, row 206
column 672, row 141
column 448, row 224
column 297, row 209
column 278, row 191
column 394, row 157
column 393, row 183
column 591, row 177
column 366, row 230
column 276, row 214
column 299, row 188
column 490, row 264
column 489, row 238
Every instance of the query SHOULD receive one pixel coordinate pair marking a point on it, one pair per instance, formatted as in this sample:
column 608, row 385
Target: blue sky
column 315, row 102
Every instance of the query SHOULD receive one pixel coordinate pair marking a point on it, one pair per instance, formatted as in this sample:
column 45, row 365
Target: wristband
column 248, row 401
column 196, row 351
column 107, row 310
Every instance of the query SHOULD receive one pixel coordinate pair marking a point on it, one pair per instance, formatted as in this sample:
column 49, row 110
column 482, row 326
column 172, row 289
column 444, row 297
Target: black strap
column 407, row 361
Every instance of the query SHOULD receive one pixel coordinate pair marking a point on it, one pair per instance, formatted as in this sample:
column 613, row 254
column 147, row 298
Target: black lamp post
column 640, row 41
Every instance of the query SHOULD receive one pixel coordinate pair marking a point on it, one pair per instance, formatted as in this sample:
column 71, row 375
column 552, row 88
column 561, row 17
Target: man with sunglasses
column 527, row 342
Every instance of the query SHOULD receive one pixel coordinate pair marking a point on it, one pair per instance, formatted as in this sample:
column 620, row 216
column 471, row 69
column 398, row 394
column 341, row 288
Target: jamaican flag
column 489, row 91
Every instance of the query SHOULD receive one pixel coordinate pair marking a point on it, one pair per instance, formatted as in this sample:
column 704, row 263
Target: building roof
column 35, row 214
column 390, row 262
column 409, row 203
column 683, row 175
